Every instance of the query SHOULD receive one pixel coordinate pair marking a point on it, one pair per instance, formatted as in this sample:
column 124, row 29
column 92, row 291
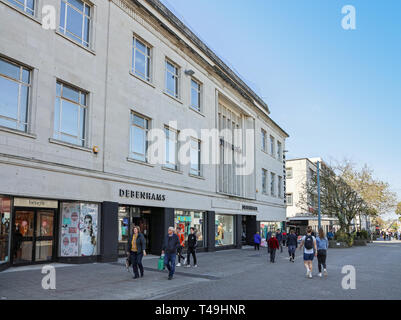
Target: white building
column 76, row 108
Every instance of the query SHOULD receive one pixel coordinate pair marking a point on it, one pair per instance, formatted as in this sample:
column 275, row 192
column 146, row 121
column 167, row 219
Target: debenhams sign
column 142, row 195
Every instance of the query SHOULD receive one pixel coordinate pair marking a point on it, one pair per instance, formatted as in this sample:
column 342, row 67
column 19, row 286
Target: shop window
column 79, row 229
column 187, row 219
column 224, row 230
column 5, row 222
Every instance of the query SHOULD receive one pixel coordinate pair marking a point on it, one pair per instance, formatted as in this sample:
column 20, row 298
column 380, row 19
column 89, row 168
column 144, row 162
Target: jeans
column 189, row 252
column 272, row 254
column 179, row 252
column 169, row 262
column 136, row 261
column 291, row 250
column 321, row 259
column 257, row 246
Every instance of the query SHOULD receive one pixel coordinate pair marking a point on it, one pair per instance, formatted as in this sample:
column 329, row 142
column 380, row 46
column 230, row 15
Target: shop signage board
column 35, row 203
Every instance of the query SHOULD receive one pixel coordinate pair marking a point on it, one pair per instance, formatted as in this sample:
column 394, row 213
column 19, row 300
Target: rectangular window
column 5, row 228
column 224, row 230
column 195, row 95
column 139, row 127
column 141, row 59
column 272, row 146
column 172, row 77
column 288, row 173
column 289, row 199
column 279, row 151
column 14, row 95
column 171, row 148
column 280, row 187
column 272, row 184
column 264, row 137
column 27, row 6
column 264, row 181
column 70, row 114
column 75, row 20
column 185, row 219
column 195, row 157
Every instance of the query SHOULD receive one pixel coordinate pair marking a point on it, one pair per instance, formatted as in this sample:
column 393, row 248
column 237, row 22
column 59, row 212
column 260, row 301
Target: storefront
column 5, row 224
column 224, row 230
column 187, row 219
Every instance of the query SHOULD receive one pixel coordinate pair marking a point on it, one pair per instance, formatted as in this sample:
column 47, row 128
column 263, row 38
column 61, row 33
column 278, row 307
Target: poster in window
column 69, row 229
column 88, row 229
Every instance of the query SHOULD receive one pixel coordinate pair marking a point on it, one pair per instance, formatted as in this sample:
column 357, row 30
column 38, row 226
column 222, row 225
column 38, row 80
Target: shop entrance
column 33, row 239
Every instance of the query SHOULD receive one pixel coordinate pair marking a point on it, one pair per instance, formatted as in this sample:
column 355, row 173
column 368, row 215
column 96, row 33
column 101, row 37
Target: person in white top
column 310, row 250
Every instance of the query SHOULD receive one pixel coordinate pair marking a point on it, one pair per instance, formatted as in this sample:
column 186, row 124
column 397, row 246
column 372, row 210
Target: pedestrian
column 272, row 246
column 192, row 244
column 181, row 237
column 137, row 247
column 330, row 235
column 285, row 236
column 279, row 237
column 169, row 249
column 322, row 244
column 257, row 239
column 310, row 250
column 292, row 244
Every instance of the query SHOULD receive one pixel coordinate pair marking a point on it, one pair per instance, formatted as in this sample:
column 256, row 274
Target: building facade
column 79, row 107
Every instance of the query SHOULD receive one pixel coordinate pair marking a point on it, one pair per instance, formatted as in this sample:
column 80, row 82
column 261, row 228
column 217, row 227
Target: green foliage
column 342, row 236
column 364, row 235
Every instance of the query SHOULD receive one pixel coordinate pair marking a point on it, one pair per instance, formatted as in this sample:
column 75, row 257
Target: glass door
column 44, row 239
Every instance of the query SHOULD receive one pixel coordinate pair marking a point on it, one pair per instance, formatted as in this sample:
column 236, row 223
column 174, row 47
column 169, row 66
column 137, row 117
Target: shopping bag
column 160, row 263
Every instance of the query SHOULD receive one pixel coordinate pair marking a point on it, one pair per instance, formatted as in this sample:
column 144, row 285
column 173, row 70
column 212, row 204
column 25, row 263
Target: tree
column 398, row 209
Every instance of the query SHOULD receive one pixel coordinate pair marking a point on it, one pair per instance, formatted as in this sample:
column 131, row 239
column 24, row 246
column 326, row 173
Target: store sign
column 251, row 208
column 142, row 195
column 184, row 218
column 35, row 203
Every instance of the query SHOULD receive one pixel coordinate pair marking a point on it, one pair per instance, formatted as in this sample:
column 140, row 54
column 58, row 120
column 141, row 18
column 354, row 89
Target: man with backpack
column 310, row 250
column 192, row 244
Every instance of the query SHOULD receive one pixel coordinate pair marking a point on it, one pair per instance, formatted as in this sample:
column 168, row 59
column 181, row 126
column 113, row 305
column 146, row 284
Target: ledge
column 70, row 145
column 143, row 80
column 172, row 97
column 197, row 177
column 196, row 111
column 20, row 133
column 74, row 42
column 171, row 170
column 139, row 162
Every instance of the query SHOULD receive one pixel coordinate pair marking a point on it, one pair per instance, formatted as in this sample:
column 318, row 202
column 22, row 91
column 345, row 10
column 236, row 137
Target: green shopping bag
column 160, row 263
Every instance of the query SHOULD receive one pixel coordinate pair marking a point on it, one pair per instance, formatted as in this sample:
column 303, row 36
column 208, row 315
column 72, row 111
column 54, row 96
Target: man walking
column 192, row 244
column 257, row 240
column 272, row 246
column 279, row 237
column 310, row 250
column 292, row 244
column 169, row 249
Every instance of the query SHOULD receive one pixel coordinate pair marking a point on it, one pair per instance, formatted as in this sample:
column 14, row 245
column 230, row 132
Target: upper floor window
column 272, row 184
column 264, row 181
column 195, row 157
column 288, row 173
column 279, row 150
column 141, row 59
column 280, row 187
column 264, row 137
column 27, row 6
column 195, row 95
column 172, row 77
column 272, row 145
column 139, row 137
column 75, row 20
column 289, row 199
column 14, row 95
column 70, row 114
column 171, row 148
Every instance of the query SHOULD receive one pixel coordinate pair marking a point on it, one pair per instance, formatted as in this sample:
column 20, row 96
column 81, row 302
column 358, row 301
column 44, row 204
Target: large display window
column 224, row 230
column 185, row 219
column 5, row 222
column 79, row 229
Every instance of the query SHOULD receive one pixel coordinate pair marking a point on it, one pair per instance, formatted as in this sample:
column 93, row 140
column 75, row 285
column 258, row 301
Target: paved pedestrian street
column 232, row 274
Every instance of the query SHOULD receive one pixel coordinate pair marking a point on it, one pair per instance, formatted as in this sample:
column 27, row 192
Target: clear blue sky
column 336, row 92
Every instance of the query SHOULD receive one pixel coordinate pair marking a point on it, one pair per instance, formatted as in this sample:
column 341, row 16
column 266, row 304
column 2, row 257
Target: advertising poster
column 69, row 229
column 88, row 229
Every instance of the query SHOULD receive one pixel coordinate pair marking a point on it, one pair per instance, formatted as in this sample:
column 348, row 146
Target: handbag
column 160, row 263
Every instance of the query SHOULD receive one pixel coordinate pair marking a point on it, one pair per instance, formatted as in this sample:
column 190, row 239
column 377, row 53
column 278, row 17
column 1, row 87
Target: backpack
column 308, row 242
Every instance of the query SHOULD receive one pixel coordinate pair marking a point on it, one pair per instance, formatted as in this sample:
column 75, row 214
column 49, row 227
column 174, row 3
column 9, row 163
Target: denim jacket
column 322, row 244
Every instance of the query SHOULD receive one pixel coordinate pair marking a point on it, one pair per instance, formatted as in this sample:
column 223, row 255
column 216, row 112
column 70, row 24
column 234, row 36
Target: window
column 195, row 95
column 70, row 115
column 141, row 59
column 186, row 219
column 264, row 140
column 75, row 20
column 171, row 79
column 195, row 157
column 264, row 181
column 288, row 173
column 14, row 95
column 272, row 146
column 279, row 151
column 289, row 199
column 5, row 224
column 280, row 187
column 25, row 5
column 171, row 148
column 139, row 137
column 272, row 183
column 224, row 230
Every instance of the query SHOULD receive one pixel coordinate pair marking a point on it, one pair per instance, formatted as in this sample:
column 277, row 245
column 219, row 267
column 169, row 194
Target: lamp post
column 318, row 195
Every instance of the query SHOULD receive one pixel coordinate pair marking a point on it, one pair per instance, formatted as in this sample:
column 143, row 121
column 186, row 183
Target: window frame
column 287, row 176
column 288, row 203
column 176, row 76
column 264, row 140
column 280, row 187
column 279, row 150
column 148, row 59
column 146, row 142
column 199, row 93
column 166, row 164
column 264, row 181
column 198, row 172
column 24, row 4
column 272, row 184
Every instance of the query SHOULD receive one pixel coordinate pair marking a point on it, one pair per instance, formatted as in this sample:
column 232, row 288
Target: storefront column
column 109, row 232
column 211, row 232
column 238, row 231
column 251, row 227
column 162, row 219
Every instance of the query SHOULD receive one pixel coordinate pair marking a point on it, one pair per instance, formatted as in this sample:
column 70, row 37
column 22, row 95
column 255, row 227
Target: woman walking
column 322, row 246
column 310, row 250
column 272, row 246
column 137, row 248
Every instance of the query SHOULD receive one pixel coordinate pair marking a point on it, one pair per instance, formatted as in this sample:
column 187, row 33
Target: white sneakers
column 320, row 274
column 178, row 265
column 325, row 272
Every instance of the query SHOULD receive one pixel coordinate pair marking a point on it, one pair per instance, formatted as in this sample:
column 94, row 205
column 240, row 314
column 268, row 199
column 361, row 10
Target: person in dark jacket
column 192, row 242
column 137, row 249
column 279, row 237
column 292, row 244
column 169, row 249
column 272, row 246
column 257, row 239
